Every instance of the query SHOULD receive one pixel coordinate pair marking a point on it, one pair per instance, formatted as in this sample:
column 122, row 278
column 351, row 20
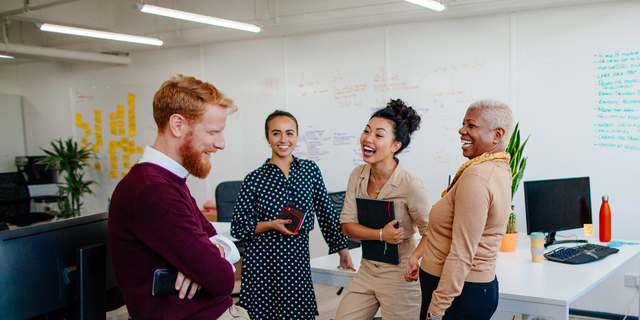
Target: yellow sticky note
column 113, row 174
column 114, row 131
column 79, row 123
column 114, row 158
column 588, row 230
column 98, row 127
column 131, row 96
column 96, row 113
column 78, row 116
column 95, row 148
column 114, row 165
column 122, row 174
column 131, row 104
column 87, row 133
column 139, row 149
column 113, row 124
column 113, row 116
column 118, row 144
column 131, row 112
column 125, row 157
column 120, row 109
column 120, row 123
column 97, row 166
column 112, row 150
column 131, row 150
column 83, row 148
column 125, row 140
column 120, row 115
column 99, row 135
column 132, row 132
column 112, row 144
column 99, row 142
column 85, row 141
column 84, row 125
column 98, row 119
column 126, row 165
column 121, row 131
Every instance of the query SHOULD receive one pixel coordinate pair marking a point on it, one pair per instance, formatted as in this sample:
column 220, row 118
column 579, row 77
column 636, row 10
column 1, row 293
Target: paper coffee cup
column 537, row 246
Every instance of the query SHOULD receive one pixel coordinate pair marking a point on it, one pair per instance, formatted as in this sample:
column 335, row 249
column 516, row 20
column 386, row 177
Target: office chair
column 226, row 197
column 15, row 201
column 338, row 202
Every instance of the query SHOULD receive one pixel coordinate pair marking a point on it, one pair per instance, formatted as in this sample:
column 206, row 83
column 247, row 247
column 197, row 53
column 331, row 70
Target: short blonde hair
column 186, row 96
column 498, row 115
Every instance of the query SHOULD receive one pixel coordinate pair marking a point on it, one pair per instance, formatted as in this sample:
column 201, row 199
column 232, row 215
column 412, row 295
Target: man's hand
column 219, row 248
column 182, row 284
column 345, row 260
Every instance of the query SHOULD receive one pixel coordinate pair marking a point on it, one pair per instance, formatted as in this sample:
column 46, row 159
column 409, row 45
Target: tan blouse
column 465, row 230
column 409, row 196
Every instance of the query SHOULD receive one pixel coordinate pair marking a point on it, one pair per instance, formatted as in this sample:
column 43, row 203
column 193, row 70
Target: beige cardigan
column 465, row 230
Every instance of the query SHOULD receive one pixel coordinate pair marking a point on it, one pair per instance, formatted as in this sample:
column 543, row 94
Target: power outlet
column 631, row 280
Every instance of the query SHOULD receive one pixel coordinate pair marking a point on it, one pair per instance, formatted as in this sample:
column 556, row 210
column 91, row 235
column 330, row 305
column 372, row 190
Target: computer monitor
column 556, row 205
column 42, row 268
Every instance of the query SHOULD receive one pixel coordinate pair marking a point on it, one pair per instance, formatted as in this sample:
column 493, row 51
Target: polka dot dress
column 276, row 271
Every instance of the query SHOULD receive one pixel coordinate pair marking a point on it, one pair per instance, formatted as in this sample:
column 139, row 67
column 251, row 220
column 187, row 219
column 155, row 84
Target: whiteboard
column 355, row 73
column 583, row 117
column 11, row 131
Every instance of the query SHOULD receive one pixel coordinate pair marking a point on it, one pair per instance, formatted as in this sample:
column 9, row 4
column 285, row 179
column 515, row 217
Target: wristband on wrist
column 380, row 234
column 432, row 317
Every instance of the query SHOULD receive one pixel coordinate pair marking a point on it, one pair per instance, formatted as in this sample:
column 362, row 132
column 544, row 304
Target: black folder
column 376, row 214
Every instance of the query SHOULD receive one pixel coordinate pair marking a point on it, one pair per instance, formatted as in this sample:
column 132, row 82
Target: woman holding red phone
column 276, row 271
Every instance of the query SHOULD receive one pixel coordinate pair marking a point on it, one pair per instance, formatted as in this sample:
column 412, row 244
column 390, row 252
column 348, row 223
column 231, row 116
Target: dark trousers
column 478, row 301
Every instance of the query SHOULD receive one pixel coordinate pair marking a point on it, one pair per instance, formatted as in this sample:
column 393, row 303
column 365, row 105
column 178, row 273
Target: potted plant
column 69, row 159
column 517, row 164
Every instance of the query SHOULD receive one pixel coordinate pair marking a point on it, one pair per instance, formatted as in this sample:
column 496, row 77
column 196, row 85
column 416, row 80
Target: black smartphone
column 164, row 282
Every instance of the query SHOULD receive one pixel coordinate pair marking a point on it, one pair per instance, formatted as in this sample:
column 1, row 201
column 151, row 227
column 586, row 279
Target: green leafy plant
column 511, row 224
column 67, row 158
column 517, row 163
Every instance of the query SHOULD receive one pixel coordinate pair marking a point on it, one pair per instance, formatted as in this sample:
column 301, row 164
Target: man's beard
column 192, row 158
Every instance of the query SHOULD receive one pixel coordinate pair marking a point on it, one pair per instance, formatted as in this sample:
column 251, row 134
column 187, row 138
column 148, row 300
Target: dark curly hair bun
column 405, row 120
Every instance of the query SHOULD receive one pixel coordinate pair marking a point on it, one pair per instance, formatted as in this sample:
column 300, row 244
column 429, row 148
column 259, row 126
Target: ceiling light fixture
column 430, row 4
column 176, row 14
column 99, row 34
column 5, row 57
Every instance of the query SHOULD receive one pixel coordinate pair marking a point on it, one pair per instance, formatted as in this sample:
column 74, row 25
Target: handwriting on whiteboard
column 617, row 101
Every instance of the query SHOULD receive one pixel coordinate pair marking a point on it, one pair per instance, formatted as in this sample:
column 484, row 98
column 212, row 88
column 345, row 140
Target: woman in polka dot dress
column 276, row 271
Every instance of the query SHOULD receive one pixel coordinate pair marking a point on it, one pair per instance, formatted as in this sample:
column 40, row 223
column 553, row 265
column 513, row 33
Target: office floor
column 327, row 305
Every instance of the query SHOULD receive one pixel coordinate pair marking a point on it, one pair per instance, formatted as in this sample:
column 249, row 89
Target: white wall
column 539, row 61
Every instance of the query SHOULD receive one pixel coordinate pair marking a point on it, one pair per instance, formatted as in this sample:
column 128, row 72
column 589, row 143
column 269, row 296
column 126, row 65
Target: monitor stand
column 551, row 240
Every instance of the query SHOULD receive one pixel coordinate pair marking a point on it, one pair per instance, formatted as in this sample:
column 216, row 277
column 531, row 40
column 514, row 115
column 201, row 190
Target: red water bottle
column 605, row 220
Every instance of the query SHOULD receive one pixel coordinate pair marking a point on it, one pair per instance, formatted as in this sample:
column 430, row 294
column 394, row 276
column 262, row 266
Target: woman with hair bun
column 377, row 284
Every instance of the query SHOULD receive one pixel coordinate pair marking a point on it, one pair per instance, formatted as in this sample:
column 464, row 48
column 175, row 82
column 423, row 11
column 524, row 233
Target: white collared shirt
column 156, row 157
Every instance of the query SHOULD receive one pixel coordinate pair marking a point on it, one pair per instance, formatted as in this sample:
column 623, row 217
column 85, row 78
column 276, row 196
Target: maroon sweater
column 154, row 223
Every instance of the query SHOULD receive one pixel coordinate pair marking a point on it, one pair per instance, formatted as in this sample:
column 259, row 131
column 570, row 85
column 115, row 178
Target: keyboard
column 581, row 254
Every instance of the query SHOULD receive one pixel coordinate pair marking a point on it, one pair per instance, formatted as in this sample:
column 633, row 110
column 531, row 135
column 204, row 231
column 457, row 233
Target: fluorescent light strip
column 5, row 57
column 430, row 4
column 100, row 34
column 198, row 18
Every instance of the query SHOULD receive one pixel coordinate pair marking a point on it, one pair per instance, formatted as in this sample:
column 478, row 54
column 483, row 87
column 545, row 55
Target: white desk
column 545, row 289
